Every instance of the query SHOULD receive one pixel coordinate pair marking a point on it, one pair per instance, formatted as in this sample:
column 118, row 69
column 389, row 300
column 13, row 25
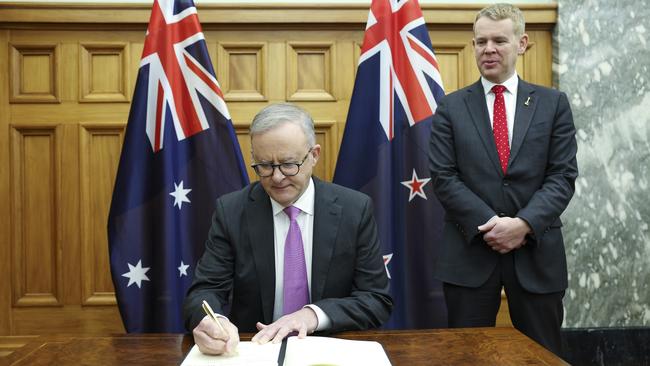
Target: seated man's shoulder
column 237, row 196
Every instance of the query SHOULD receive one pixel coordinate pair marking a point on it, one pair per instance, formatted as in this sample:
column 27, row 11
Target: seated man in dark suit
column 290, row 253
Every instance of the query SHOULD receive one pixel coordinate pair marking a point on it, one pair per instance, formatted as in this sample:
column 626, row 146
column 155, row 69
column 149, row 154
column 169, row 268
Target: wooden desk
column 479, row 346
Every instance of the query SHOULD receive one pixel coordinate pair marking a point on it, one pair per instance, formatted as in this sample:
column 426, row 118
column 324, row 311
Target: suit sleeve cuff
column 324, row 321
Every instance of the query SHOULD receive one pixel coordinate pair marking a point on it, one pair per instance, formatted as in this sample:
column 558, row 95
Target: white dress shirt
column 281, row 223
column 510, row 98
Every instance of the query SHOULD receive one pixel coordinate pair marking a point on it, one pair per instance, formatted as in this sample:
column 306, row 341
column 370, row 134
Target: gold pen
column 211, row 314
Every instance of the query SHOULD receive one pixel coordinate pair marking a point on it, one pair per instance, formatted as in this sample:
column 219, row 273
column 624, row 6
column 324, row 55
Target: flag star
column 182, row 269
column 180, row 194
column 416, row 186
column 136, row 274
column 387, row 259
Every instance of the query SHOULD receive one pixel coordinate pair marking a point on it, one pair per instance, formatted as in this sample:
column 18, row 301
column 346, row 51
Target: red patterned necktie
column 296, row 291
column 500, row 126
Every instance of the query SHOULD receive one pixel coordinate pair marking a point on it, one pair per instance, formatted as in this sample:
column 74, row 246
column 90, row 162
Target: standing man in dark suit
column 334, row 281
column 503, row 160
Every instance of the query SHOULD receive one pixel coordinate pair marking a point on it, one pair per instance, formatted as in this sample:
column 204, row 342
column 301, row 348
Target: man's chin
column 491, row 75
column 284, row 198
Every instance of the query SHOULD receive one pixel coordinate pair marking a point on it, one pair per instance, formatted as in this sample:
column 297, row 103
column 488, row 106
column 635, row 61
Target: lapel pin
column 527, row 102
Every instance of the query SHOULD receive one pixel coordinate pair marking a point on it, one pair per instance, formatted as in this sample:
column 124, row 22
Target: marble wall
column 602, row 62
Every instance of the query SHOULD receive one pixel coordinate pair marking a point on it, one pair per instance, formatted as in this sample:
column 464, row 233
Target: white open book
column 300, row 352
column 248, row 353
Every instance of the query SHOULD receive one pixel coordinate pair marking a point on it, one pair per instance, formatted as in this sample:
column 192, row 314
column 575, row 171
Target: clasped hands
column 504, row 234
column 212, row 340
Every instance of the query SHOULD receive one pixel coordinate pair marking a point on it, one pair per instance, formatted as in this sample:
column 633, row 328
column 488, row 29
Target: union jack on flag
column 405, row 61
column 176, row 77
column 384, row 154
column 180, row 153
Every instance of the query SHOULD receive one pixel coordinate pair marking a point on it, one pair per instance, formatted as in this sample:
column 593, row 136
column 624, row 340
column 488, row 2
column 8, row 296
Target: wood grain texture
column 104, row 74
column 34, row 73
column 36, row 260
column 478, row 346
column 100, row 146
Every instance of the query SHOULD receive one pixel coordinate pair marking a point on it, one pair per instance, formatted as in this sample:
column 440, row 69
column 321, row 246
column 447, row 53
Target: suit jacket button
column 502, row 214
column 506, row 183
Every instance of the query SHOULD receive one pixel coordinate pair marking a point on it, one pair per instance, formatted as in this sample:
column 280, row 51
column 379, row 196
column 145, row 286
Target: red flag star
column 416, row 186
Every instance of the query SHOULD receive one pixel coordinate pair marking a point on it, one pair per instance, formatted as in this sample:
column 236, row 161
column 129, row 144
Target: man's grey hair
column 278, row 114
column 504, row 11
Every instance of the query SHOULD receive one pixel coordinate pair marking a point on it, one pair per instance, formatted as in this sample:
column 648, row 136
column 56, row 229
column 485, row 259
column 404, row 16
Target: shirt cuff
column 324, row 321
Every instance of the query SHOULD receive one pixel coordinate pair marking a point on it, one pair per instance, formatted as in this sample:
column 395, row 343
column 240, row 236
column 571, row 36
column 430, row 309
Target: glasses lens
column 263, row 170
column 289, row 169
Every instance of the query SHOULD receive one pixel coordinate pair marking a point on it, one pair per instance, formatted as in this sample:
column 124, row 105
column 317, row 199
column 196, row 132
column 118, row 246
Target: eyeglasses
column 287, row 169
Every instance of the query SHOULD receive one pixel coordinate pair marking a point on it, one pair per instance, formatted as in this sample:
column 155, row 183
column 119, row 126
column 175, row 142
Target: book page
column 325, row 351
column 248, row 353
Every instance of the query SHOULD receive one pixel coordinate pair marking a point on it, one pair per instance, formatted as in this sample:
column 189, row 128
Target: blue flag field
column 180, row 153
column 384, row 154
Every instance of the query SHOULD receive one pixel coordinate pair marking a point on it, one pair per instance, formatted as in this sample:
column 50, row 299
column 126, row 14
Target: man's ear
column 523, row 44
column 315, row 152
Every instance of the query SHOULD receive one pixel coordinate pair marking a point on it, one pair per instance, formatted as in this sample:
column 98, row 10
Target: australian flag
column 180, row 153
column 384, row 154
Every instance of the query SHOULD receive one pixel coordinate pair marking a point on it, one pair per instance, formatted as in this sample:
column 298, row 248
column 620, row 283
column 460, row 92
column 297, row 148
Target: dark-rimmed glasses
column 264, row 170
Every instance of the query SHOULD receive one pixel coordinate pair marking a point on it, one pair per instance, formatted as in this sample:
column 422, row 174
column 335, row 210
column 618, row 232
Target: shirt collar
column 305, row 202
column 510, row 84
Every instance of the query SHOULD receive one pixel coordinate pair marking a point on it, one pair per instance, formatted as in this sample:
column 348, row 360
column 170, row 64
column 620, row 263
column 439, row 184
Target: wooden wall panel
column 34, row 73
column 6, row 290
column 100, row 146
column 310, row 71
column 451, row 59
column 63, row 65
column 326, row 137
column 242, row 71
column 69, row 319
column 36, row 268
column 104, row 72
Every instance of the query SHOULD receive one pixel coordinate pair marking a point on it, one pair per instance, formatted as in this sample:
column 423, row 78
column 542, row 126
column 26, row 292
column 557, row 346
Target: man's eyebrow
column 289, row 160
column 280, row 161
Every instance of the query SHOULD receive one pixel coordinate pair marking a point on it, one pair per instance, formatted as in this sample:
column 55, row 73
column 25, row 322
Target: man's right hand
column 211, row 340
column 504, row 234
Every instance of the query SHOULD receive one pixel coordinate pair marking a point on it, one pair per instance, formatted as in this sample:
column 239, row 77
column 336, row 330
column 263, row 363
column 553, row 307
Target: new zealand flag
column 180, row 153
column 384, row 154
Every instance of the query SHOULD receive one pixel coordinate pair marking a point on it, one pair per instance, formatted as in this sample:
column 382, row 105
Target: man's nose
column 277, row 174
column 489, row 47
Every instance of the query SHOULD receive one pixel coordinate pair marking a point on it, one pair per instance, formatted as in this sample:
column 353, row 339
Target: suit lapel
column 475, row 102
column 524, row 111
column 259, row 218
column 327, row 217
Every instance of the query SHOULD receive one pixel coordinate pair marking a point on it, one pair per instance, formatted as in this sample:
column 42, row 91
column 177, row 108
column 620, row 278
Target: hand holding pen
column 215, row 334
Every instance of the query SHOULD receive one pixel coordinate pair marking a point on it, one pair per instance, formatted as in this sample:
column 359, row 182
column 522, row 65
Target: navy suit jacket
column 470, row 184
column 348, row 277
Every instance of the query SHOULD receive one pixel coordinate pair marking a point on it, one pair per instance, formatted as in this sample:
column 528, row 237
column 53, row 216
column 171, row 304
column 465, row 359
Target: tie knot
column 292, row 212
column 498, row 89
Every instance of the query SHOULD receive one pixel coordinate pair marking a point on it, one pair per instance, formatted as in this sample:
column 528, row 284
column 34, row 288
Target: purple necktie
column 296, row 292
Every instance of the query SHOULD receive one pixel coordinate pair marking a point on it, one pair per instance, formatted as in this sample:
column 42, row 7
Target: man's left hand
column 506, row 233
column 303, row 321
